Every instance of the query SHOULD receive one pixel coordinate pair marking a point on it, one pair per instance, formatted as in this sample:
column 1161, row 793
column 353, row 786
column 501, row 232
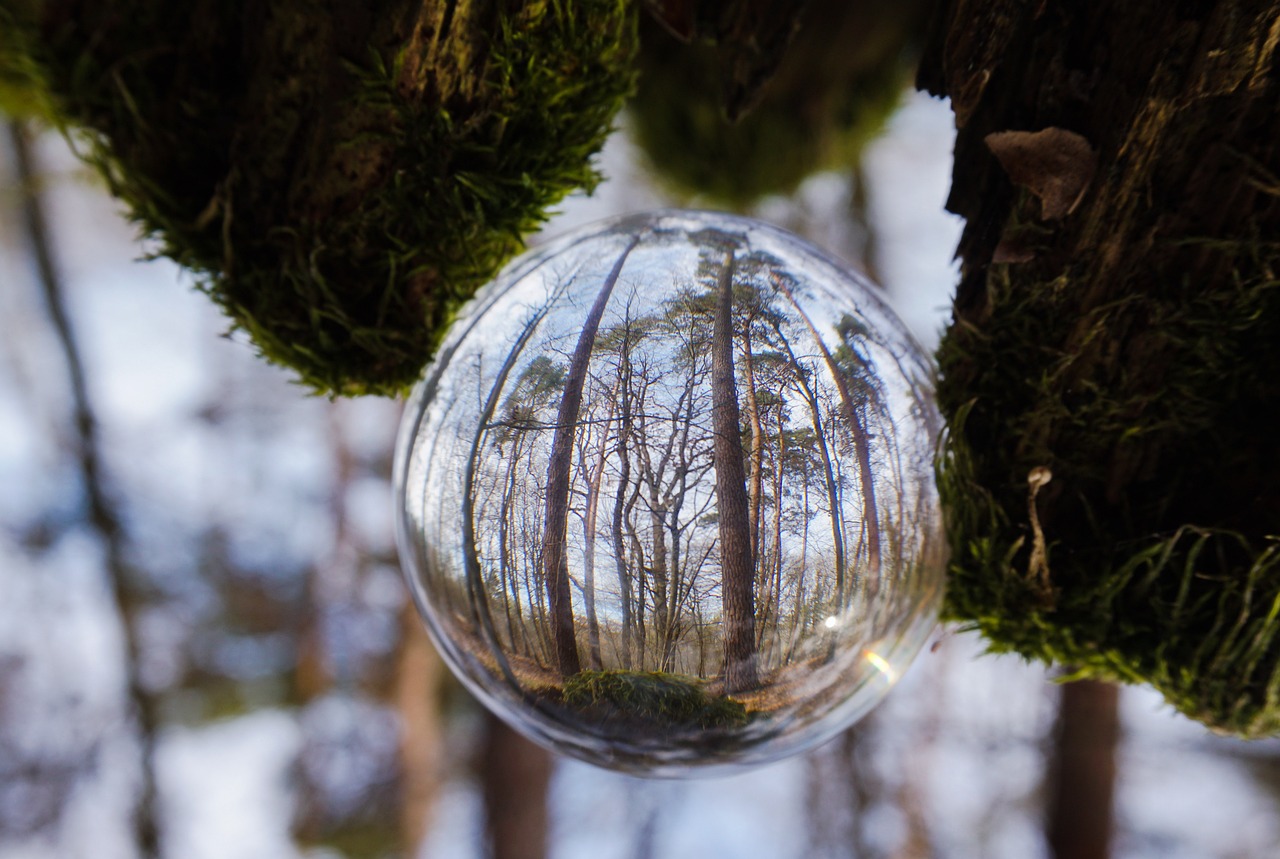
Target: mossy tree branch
column 1110, row 378
column 340, row 175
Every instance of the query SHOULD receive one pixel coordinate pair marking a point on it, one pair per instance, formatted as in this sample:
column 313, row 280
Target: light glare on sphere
column 666, row 495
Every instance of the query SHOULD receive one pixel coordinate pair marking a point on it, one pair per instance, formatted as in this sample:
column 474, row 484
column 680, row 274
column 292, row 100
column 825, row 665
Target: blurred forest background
column 205, row 644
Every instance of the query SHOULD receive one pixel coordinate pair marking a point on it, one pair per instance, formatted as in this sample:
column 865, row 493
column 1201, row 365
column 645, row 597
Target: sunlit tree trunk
column 480, row 608
column 828, row 471
column 676, row 494
column 640, row 570
column 619, row 499
column 854, row 422
column 659, row 575
column 589, row 516
column 757, row 441
column 737, row 567
column 555, row 569
column 506, row 569
column 781, row 456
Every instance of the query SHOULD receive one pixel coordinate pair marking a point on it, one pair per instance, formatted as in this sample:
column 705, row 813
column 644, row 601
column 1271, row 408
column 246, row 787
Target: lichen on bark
column 1111, row 479
column 340, row 176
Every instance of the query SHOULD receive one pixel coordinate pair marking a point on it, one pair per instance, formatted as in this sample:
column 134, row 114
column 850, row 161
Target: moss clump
column 340, row 179
column 21, row 92
column 837, row 84
column 669, row 700
column 1160, row 559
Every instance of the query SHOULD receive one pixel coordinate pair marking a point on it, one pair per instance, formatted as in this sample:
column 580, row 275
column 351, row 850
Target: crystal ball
column 666, row 495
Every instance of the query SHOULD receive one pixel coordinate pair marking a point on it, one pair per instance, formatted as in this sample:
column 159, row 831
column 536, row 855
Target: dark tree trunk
column 515, row 775
column 555, row 526
column 737, row 564
column 1082, row 771
column 1117, row 329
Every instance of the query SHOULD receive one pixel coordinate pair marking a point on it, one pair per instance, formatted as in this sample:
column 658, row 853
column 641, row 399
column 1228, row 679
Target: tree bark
column 1117, row 326
column 1083, row 771
column 736, row 561
column 515, row 775
column 555, row 569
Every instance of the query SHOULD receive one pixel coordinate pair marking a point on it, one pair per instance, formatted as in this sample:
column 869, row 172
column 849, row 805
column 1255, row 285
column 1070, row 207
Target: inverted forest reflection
column 675, row 475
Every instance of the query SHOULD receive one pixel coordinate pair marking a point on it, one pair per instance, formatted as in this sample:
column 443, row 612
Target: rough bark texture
column 1118, row 343
column 340, row 175
column 736, row 561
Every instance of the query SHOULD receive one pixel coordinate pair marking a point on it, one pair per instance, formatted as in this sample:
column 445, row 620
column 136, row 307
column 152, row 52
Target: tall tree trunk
column 674, row 594
column 828, row 471
column 1083, row 771
column 589, row 517
column 658, row 570
column 480, row 609
column 619, row 501
column 506, row 570
column 555, row 569
column 736, row 562
column 757, row 441
column 777, row 531
column 674, row 500
column 514, row 775
column 861, row 439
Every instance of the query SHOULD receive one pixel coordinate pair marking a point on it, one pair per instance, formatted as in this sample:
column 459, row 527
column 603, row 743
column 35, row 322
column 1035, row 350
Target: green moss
column 340, row 184
column 1153, row 414
column 22, row 92
column 836, row 88
column 359, row 839
column 668, row 700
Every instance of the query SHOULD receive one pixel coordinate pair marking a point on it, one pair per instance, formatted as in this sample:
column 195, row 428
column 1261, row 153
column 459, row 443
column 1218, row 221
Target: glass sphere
column 666, row 494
